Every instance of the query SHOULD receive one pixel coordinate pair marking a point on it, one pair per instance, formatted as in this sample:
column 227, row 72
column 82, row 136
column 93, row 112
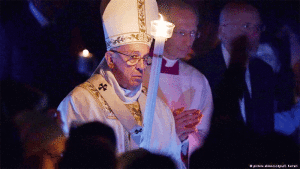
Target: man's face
column 129, row 77
column 239, row 22
column 179, row 45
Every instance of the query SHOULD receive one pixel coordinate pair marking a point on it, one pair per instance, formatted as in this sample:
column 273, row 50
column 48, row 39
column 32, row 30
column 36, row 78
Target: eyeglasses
column 248, row 27
column 135, row 58
column 193, row 34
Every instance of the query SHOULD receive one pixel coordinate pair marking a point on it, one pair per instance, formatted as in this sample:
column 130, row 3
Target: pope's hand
column 186, row 122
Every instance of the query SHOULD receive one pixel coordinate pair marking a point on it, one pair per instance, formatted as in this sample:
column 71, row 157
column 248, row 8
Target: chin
column 183, row 54
column 135, row 84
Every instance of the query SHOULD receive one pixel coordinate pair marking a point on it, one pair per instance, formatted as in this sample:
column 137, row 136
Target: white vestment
column 84, row 105
column 190, row 89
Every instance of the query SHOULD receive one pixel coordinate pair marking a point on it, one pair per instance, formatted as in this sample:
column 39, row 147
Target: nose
column 253, row 31
column 141, row 65
column 188, row 40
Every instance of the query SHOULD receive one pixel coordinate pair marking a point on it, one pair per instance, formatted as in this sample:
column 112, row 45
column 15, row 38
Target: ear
column 109, row 59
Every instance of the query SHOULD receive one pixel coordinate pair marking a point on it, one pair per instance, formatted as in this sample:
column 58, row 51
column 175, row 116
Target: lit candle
column 86, row 53
column 161, row 30
column 85, row 62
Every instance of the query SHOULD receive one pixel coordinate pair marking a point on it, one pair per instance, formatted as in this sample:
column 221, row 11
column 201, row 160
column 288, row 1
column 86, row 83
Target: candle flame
column 161, row 17
column 161, row 28
column 85, row 53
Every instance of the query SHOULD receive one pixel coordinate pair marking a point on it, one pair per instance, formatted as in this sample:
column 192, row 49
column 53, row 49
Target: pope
column 114, row 94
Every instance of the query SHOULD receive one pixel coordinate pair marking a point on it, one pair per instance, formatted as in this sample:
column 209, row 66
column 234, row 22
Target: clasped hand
column 186, row 122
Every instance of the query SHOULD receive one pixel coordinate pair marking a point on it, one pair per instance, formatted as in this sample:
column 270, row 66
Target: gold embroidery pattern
column 136, row 112
column 134, row 109
column 96, row 94
column 90, row 87
column 144, row 90
column 141, row 15
column 128, row 38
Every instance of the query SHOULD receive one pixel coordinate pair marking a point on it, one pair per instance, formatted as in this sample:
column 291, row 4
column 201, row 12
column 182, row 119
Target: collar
column 170, row 66
column 170, row 62
column 38, row 15
column 226, row 55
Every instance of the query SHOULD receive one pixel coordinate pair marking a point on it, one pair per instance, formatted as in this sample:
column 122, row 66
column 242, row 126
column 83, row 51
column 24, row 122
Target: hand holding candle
column 161, row 30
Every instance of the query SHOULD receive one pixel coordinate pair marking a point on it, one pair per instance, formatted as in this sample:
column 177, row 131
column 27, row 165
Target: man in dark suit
column 243, row 92
column 242, row 85
column 35, row 43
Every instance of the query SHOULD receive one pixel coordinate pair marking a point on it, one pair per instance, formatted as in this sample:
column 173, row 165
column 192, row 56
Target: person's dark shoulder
column 262, row 74
column 207, row 62
column 261, row 65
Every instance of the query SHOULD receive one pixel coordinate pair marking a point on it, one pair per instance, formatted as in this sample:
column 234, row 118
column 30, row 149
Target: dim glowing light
column 85, row 53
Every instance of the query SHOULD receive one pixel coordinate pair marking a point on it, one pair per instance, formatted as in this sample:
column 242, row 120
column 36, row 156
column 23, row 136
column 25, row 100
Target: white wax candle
column 152, row 91
column 161, row 30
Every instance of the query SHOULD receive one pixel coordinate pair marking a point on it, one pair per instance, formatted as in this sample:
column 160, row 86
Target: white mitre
column 128, row 21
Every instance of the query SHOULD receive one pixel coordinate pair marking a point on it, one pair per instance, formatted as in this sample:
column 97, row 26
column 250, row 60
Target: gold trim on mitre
column 142, row 15
column 128, row 38
column 124, row 24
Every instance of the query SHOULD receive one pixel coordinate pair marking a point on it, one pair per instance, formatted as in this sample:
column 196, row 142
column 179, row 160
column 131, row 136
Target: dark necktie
column 174, row 70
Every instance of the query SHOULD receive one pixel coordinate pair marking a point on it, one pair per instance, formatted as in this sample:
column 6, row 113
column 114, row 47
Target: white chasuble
column 84, row 105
